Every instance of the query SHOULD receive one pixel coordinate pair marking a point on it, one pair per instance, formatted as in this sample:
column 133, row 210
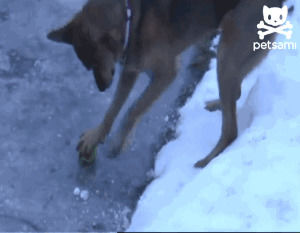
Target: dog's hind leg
column 235, row 60
column 89, row 140
column 163, row 75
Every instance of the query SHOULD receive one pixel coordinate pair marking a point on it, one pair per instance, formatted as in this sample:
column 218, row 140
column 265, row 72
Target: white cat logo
column 275, row 18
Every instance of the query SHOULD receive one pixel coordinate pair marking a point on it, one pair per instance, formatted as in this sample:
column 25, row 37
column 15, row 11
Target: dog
column 149, row 35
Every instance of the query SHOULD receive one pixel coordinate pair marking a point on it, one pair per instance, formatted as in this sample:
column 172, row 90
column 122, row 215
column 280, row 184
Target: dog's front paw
column 114, row 149
column 113, row 152
column 115, row 146
column 87, row 145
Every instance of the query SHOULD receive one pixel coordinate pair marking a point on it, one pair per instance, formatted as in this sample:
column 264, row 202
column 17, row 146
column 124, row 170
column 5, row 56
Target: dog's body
column 159, row 31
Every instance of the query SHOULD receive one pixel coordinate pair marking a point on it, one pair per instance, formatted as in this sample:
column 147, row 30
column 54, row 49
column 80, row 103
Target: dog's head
column 96, row 35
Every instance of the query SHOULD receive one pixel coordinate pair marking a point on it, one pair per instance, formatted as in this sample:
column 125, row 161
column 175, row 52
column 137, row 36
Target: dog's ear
column 62, row 35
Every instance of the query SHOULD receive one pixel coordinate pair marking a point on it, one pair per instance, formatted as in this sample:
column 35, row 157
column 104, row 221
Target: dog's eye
column 269, row 17
column 281, row 17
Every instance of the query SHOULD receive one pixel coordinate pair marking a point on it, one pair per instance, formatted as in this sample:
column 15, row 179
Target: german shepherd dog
column 150, row 34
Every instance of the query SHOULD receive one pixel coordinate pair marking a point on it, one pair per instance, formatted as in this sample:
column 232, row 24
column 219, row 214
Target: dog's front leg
column 163, row 75
column 89, row 140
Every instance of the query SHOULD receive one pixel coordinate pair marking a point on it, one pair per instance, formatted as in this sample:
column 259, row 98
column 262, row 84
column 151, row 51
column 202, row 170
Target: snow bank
column 254, row 184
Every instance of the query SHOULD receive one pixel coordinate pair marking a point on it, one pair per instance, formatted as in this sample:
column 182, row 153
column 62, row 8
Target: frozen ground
column 254, row 184
column 47, row 100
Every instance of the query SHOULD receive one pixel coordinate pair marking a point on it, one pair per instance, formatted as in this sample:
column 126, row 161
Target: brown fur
column 160, row 31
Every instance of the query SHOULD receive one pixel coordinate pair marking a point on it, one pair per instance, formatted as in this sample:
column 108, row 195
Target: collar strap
column 128, row 24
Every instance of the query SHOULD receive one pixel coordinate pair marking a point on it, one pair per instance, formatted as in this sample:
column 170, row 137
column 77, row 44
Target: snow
column 84, row 195
column 254, row 184
column 76, row 191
